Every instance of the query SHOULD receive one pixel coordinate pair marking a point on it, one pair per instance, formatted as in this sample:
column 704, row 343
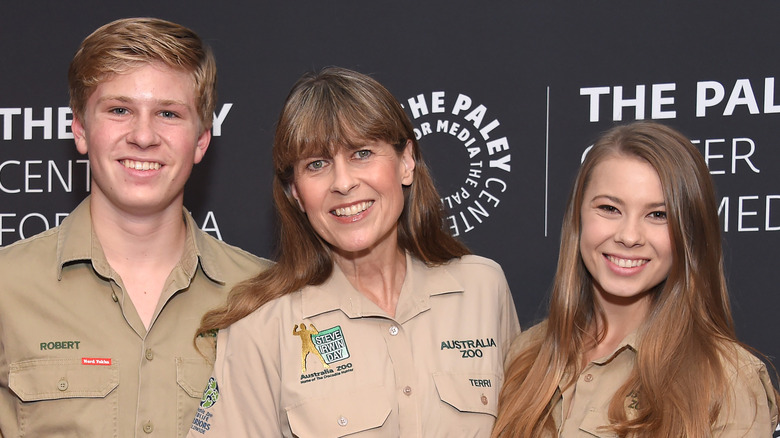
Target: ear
column 79, row 134
column 407, row 158
column 203, row 143
column 294, row 192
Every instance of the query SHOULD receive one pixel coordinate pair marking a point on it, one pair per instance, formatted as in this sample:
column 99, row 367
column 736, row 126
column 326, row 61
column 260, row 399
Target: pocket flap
column 341, row 414
column 469, row 392
column 594, row 423
column 192, row 375
column 48, row 379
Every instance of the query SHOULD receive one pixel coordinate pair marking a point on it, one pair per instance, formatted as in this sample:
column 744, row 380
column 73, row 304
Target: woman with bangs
column 639, row 340
column 375, row 321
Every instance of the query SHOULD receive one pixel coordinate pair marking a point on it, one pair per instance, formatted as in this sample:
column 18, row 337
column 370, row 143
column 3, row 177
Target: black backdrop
column 505, row 95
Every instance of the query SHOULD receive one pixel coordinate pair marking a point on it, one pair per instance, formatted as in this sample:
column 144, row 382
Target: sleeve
column 509, row 324
column 242, row 396
column 752, row 409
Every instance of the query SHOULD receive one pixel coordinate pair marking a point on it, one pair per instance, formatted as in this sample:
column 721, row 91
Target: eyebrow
column 164, row 102
column 620, row 201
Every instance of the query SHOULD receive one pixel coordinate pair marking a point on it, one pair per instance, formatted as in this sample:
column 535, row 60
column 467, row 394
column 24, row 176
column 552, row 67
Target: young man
column 97, row 316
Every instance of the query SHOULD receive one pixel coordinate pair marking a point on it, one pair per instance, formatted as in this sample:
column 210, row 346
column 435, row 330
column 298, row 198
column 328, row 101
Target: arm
column 510, row 326
column 750, row 409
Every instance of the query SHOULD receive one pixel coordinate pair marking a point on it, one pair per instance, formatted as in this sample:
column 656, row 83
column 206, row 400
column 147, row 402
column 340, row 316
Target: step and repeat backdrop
column 505, row 97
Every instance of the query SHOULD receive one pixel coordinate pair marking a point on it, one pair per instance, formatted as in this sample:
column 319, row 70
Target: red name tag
column 95, row 361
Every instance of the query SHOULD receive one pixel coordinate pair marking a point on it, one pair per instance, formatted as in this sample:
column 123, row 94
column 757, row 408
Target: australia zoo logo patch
column 328, row 346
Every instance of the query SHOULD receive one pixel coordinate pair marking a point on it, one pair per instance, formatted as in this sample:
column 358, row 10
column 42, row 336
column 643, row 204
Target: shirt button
column 149, row 354
column 62, row 385
column 588, row 377
column 148, row 427
column 408, row 390
column 484, row 399
column 393, row 330
column 342, row 421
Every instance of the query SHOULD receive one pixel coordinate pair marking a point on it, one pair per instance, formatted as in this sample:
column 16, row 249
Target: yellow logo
column 307, row 346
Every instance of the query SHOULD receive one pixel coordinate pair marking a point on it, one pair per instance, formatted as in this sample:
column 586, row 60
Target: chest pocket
column 594, row 424
column 64, row 397
column 340, row 415
column 469, row 392
column 192, row 375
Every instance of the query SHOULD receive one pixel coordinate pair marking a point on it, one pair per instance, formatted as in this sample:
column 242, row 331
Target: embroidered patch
column 328, row 346
column 468, row 347
column 307, row 345
column 634, row 400
column 331, row 345
column 96, row 361
column 210, row 394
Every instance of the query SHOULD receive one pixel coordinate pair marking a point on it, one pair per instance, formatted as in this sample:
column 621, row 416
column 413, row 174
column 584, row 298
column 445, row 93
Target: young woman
column 374, row 321
column 639, row 340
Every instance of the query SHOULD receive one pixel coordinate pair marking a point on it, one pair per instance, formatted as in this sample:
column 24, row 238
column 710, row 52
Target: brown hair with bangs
column 336, row 108
column 122, row 45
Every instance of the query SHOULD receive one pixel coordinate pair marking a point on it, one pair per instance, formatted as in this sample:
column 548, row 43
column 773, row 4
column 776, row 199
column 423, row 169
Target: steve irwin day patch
column 331, row 345
column 328, row 346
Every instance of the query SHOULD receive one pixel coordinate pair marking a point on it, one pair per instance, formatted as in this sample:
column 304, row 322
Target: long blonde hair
column 336, row 108
column 679, row 374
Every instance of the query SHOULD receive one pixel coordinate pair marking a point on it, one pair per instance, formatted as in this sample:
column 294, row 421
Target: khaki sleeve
column 247, row 379
column 510, row 325
column 752, row 409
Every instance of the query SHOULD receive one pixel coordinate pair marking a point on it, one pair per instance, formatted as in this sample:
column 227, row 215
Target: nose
column 630, row 232
column 142, row 132
column 344, row 179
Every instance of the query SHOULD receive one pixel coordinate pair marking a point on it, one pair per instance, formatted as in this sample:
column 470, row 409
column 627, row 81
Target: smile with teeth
column 626, row 263
column 140, row 165
column 353, row 209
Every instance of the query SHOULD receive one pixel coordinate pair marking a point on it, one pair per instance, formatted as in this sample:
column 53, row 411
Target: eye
column 608, row 208
column 118, row 111
column 658, row 215
column 168, row 114
column 362, row 154
column 316, row 165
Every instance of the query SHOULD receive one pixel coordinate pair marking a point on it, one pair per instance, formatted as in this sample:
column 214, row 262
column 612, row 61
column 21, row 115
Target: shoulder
column 528, row 337
column 749, row 388
column 224, row 253
column 275, row 313
column 31, row 248
column 474, row 267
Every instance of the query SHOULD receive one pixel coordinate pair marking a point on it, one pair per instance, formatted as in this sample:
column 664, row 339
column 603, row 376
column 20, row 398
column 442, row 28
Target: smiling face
column 353, row 200
column 625, row 241
column 143, row 134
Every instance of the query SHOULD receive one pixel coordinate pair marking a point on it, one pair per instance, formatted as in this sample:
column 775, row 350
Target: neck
column 138, row 240
column 621, row 317
column 378, row 274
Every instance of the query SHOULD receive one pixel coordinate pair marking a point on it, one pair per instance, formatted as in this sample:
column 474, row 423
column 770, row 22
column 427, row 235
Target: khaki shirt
column 75, row 358
column 750, row 412
column 326, row 361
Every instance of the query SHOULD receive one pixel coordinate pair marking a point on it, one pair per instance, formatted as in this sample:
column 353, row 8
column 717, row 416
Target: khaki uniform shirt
column 326, row 361
column 750, row 412
column 75, row 358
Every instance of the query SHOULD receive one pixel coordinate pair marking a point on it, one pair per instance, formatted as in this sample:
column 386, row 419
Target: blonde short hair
column 127, row 43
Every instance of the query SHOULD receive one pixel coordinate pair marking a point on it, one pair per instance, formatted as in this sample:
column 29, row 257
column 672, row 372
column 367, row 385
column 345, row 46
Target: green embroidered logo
column 210, row 395
column 634, row 402
column 331, row 344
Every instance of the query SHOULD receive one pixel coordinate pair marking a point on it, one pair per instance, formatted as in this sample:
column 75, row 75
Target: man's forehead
column 150, row 82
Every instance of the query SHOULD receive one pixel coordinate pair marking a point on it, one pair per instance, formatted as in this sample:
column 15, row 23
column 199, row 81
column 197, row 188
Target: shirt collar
column 628, row 343
column 77, row 242
column 420, row 284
